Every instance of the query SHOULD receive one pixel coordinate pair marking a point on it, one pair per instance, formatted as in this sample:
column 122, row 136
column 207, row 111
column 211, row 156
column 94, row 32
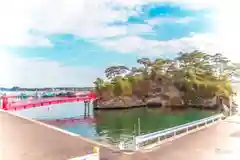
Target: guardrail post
column 122, row 145
column 136, row 145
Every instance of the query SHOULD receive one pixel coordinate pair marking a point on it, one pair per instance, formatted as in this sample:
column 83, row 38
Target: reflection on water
column 116, row 125
column 57, row 111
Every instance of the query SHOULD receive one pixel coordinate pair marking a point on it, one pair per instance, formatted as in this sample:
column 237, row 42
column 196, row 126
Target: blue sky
column 71, row 42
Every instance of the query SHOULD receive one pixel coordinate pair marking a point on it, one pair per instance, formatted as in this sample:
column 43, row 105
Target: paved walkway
column 218, row 142
column 21, row 139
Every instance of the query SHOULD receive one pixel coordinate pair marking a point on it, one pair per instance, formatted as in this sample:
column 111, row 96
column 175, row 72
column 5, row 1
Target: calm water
column 116, row 125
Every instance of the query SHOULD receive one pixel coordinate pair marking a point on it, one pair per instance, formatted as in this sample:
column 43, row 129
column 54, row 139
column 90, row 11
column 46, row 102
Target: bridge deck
column 44, row 102
column 24, row 139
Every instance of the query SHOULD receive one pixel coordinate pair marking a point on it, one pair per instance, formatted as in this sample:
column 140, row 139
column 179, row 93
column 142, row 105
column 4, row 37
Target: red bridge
column 31, row 103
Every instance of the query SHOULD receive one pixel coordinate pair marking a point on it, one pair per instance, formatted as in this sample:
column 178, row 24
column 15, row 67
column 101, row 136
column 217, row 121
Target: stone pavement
column 22, row 139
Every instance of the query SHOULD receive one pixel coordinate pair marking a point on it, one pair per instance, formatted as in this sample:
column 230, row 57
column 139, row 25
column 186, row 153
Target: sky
column 48, row 43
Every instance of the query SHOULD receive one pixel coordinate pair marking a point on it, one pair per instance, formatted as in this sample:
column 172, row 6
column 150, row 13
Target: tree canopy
column 197, row 74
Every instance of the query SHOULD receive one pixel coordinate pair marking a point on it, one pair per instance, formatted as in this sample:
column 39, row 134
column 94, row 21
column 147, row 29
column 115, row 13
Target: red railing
column 24, row 104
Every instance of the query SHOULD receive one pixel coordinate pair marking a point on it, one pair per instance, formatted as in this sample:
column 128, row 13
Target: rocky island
column 190, row 79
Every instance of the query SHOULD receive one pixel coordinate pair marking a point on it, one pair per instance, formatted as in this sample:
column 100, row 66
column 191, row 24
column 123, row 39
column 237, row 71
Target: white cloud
column 39, row 72
column 184, row 20
column 193, row 4
column 211, row 43
column 134, row 29
column 85, row 18
column 159, row 20
column 130, row 44
column 24, row 39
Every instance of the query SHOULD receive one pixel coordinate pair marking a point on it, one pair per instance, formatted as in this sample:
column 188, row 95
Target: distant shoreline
column 16, row 89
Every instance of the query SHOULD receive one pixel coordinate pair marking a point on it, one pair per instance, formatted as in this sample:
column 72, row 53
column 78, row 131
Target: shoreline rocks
column 133, row 102
column 120, row 102
column 167, row 96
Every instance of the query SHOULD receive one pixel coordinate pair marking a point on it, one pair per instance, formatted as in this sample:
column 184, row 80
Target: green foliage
column 114, row 71
column 117, row 89
column 197, row 74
